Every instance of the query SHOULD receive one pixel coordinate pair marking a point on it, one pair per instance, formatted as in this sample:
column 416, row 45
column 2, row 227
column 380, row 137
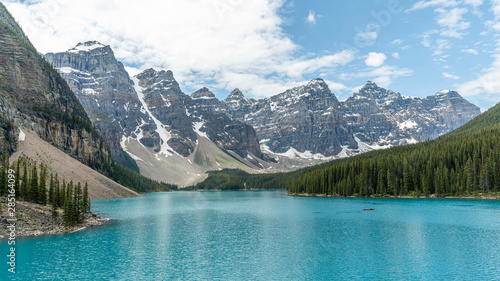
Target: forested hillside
column 465, row 162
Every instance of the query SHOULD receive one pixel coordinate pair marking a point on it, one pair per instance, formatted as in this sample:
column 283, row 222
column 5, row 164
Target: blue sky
column 442, row 45
column 264, row 47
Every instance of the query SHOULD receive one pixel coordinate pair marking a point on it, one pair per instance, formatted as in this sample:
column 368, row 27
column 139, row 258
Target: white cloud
column 432, row 3
column 206, row 41
column 395, row 55
column 453, row 22
column 311, row 18
column 335, row 86
column 368, row 36
column 441, row 46
column 374, row 59
column 397, row 42
column 495, row 7
column 486, row 87
column 450, row 76
column 470, row 51
column 383, row 75
column 474, row 3
column 426, row 40
column 296, row 68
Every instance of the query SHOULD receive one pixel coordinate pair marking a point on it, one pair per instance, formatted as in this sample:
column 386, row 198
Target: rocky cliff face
column 310, row 122
column 105, row 89
column 34, row 95
column 307, row 118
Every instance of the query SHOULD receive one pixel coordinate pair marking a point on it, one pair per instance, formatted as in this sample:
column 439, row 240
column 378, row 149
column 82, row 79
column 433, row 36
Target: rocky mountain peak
column 373, row 91
column 203, row 93
column 158, row 79
column 87, row 47
column 235, row 94
column 90, row 57
column 447, row 94
column 317, row 83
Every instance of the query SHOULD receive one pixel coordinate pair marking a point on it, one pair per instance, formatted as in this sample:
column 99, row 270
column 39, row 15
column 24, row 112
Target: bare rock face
column 41, row 98
column 187, row 118
column 205, row 99
column 168, row 104
column 105, row 89
column 310, row 120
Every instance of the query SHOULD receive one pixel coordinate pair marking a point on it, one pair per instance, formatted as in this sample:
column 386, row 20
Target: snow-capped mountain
column 310, row 122
column 150, row 118
column 383, row 117
column 175, row 138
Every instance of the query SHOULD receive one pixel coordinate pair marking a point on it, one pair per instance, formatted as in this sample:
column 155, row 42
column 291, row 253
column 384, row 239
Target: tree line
column 33, row 183
column 465, row 162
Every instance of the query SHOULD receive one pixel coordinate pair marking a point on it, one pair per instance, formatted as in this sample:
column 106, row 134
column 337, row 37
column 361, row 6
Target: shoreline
column 93, row 221
column 36, row 220
column 432, row 196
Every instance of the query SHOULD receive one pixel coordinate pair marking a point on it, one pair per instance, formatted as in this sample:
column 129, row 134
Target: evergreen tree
column 18, row 179
column 68, row 212
column 24, row 181
column 86, row 199
column 42, row 185
column 33, row 187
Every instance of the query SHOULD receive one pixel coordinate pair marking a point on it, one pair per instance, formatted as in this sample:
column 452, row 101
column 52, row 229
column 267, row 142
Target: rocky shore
column 35, row 219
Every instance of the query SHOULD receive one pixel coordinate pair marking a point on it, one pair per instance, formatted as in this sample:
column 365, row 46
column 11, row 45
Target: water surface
column 266, row 235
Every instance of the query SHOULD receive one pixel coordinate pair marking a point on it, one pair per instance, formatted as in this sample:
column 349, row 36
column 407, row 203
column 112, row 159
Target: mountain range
column 175, row 137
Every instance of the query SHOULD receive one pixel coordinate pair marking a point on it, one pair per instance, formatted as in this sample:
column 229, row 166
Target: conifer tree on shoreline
column 31, row 181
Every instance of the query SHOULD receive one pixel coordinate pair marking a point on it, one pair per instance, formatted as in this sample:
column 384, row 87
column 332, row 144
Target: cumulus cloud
column 211, row 42
column 311, row 18
column 374, row 59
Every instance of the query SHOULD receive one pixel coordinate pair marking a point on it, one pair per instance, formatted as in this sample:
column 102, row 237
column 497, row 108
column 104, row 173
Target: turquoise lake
column 266, row 235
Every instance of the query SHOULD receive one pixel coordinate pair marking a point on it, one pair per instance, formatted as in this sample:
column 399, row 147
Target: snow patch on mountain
column 197, row 126
column 86, row 47
column 292, row 153
column 408, row 124
column 160, row 129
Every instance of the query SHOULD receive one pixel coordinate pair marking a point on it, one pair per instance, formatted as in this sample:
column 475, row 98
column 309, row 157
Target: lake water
column 266, row 235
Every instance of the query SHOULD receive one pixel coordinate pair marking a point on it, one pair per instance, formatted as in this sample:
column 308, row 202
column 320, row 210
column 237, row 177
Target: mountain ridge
column 301, row 126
